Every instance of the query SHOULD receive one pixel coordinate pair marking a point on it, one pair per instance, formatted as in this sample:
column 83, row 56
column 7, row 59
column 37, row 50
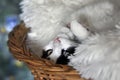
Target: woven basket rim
column 42, row 69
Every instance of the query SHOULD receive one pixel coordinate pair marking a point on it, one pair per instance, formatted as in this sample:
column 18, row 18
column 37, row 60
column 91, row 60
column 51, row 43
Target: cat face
column 61, row 48
column 59, row 51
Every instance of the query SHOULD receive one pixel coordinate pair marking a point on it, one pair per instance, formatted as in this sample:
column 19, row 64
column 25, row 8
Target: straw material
column 41, row 69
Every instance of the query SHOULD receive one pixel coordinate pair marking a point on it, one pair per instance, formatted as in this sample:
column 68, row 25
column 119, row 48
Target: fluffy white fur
column 98, row 55
column 47, row 17
column 97, row 59
column 78, row 30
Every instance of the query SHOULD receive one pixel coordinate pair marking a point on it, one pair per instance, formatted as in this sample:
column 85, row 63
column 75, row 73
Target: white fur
column 47, row 17
column 98, row 56
column 79, row 31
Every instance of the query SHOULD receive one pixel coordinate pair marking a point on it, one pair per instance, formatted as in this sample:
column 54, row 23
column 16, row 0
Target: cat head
column 59, row 51
column 61, row 48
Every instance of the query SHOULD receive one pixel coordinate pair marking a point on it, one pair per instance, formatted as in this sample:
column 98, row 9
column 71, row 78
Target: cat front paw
column 79, row 30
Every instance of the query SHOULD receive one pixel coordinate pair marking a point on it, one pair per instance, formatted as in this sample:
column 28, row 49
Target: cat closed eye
column 49, row 52
column 45, row 54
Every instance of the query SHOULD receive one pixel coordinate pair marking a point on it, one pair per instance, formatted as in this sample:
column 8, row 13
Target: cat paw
column 79, row 30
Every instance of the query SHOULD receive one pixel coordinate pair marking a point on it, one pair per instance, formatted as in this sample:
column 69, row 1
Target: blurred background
column 10, row 69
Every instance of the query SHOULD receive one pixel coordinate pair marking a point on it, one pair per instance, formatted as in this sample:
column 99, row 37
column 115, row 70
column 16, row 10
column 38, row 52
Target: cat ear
column 78, row 30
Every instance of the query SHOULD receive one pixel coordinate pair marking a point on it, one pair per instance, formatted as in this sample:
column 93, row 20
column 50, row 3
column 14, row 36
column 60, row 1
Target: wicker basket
column 41, row 69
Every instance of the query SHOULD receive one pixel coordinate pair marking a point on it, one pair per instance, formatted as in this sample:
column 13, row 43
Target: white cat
column 47, row 17
column 97, row 57
column 64, row 41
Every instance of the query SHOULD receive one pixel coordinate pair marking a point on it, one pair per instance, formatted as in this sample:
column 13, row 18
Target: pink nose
column 57, row 40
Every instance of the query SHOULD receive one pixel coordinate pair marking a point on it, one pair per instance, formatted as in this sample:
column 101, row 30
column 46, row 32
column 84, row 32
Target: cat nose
column 57, row 40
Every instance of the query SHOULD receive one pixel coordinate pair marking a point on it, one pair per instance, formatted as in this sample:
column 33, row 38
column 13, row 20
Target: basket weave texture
column 41, row 69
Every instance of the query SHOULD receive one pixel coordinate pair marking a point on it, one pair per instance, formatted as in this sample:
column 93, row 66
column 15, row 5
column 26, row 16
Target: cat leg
column 78, row 30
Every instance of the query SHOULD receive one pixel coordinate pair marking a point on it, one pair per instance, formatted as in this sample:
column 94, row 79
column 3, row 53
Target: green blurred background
column 10, row 69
